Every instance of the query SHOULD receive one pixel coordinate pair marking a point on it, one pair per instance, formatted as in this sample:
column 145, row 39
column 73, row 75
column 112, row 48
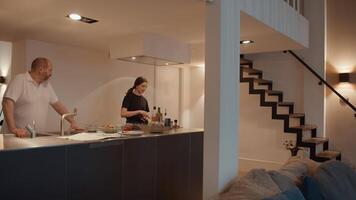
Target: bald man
column 27, row 99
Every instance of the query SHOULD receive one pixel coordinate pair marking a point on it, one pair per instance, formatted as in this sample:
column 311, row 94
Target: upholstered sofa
column 299, row 178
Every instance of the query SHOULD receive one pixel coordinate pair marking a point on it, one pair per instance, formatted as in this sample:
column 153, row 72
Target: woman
column 135, row 106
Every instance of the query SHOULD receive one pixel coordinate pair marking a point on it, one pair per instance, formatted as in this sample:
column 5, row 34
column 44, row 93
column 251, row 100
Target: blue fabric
column 291, row 194
column 311, row 189
column 284, row 182
column 337, row 181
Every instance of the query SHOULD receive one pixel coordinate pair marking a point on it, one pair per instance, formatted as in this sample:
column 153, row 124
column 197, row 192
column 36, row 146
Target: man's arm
column 61, row 109
column 8, row 106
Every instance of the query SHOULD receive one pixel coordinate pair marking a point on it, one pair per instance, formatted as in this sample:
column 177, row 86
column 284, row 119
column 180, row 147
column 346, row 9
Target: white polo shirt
column 31, row 101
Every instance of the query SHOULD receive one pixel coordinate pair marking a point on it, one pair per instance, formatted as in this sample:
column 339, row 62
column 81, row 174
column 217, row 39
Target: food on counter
column 129, row 127
column 154, row 127
column 109, row 128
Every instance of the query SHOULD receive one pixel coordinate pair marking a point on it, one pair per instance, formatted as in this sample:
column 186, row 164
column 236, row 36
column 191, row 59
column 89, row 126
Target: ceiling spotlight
column 74, row 16
column 246, row 42
column 167, row 64
column 133, row 58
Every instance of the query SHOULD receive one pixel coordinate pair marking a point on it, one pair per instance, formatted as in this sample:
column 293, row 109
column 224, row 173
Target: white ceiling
column 183, row 20
column 45, row 20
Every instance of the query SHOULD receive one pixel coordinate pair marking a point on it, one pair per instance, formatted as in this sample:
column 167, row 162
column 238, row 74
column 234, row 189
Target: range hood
column 150, row 49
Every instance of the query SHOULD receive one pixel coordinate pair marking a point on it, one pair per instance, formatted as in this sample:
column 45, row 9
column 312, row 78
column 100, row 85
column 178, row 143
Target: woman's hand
column 144, row 113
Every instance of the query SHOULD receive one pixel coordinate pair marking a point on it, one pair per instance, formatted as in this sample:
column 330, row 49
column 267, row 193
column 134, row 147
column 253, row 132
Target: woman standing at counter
column 135, row 106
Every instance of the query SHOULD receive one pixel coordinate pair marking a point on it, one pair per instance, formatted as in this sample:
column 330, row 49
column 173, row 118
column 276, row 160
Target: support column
column 221, row 94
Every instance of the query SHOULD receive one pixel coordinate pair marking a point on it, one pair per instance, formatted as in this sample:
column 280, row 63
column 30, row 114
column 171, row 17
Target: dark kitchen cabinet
column 168, row 166
column 173, row 168
column 33, row 174
column 140, row 166
column 95, row 171
column 196, row 166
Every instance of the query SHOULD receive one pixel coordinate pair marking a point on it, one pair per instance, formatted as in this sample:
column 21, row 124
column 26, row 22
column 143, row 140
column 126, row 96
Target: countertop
column 8, row 142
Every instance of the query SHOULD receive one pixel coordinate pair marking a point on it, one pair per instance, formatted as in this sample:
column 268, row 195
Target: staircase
column 264, row 88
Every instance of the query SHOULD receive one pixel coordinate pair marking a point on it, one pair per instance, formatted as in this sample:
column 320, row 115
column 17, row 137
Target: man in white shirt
column 27, row 99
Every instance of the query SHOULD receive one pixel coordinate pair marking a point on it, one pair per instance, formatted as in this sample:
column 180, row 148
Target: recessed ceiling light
column 74, row 16
column 246, row 42
column 167, row 64
column 133, row 58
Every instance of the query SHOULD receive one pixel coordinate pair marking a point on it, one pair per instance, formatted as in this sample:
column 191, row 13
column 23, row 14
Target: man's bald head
column 42, row 68
column 40, row 63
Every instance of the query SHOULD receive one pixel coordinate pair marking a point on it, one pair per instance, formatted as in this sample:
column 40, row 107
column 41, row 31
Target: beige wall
column 93, row 83
column 341, row 48
column 197, row 97
column 192, row 96
column 167, row 91
column 314, row 106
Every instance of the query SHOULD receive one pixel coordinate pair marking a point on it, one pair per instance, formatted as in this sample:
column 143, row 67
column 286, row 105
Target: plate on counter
column 133, row 133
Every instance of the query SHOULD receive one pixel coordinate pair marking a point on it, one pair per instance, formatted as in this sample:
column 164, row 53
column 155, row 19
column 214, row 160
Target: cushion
column 336, row 180
column 291, row 194
column 297, row 167
column 311, row 189
column 284, row 182
column 255, row 185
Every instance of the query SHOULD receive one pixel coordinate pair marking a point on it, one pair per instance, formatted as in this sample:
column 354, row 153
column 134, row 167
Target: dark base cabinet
column 173, row 167
column 33, row 174
column 167, row 167
column 95, row 171
column 196, row 166
column 140, row 167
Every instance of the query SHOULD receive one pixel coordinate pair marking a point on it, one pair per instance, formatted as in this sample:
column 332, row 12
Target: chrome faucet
column 64, row 116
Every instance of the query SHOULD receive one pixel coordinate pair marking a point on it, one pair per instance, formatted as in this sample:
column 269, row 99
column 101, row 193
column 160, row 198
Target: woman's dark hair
column 138, row 81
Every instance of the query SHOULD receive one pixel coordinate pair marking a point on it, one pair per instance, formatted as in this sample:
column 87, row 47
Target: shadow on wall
column 103, row 105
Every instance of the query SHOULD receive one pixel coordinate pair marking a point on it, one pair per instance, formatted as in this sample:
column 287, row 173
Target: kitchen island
column 151, row 166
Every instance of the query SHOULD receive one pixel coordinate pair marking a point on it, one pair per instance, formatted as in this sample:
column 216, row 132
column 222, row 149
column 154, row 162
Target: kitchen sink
column 46, row 134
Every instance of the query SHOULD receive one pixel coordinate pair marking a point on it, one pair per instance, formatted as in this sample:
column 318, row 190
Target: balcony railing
column 297, row 5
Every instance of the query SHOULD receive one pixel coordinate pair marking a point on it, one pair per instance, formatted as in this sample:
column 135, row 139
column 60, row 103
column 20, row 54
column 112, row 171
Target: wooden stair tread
column 296, row 115
column 251, row 70
column 245, row 62
column 262, row 81
column 316, row 140
column 274, row 92
column 328, row 154
column 305, row 127
column 285, row 104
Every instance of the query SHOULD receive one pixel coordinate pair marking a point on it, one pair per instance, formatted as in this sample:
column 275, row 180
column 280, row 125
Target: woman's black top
column 132, row 102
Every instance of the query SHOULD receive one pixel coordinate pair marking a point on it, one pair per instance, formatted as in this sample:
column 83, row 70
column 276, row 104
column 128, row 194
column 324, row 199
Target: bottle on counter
column 166, row 120
column 175, row 125
column 153, row 114
column 159, row 115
